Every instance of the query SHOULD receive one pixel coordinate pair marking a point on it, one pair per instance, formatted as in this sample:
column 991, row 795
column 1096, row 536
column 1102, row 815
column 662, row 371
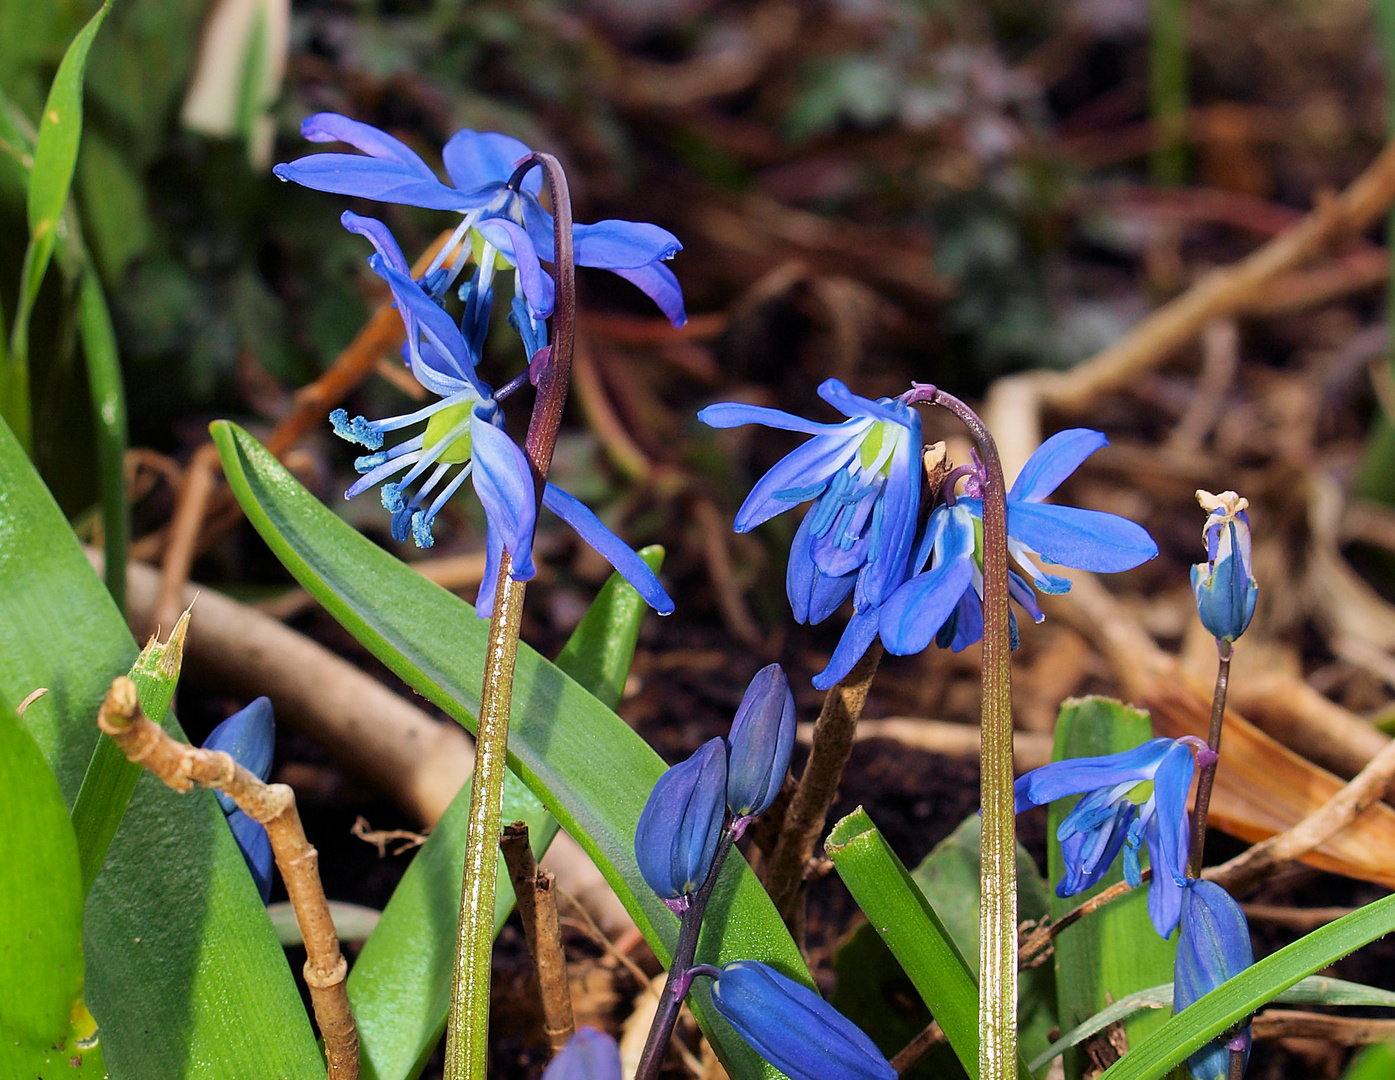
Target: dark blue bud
column 678, row 831
column 762, row 736
column 588, row 1055
column 793, row 1028
column 1224, row 585
column 1213, row 946
column 255, row 845
column 249, row 737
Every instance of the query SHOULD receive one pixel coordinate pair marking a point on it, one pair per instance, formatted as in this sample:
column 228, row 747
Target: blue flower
column 1225, row 585
column 500, row 220
column 676, row 838
column 864, row 478
column 758, row 754
column 1113, row 814
column 588, row 1055
column 248, row 736
column 793, row 1028
column 1214, row 946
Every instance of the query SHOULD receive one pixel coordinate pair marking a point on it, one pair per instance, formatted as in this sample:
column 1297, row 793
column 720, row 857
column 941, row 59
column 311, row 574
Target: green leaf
column 1373, row 1063
column 1115, row 951
column 950, row 879
column 182, row 962
column 41, row 918
column 911, row 929
column 589, row 768
column 110, row 779
column 400, row 985
column 1314, row 990
column 1231, row 1002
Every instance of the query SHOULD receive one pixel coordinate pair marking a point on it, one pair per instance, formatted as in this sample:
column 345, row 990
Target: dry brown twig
column 180, row 766
column 381, row 838
column 534, row 895
column 1342, row 1030
column 1030, row 749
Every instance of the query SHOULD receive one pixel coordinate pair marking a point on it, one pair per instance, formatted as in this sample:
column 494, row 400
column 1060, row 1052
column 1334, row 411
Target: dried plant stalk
column 537, row 908
column 180, row 766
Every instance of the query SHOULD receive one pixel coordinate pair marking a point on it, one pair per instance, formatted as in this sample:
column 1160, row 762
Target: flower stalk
column 998, row 876
column 467, row 1026
column 1208, row 773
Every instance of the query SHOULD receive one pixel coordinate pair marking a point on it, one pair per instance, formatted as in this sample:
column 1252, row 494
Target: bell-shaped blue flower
column 1214, row 946
column 793, row 1028
column 248, row 736
column 1225, row 586
column 758, row 749
column 679, row 828
column 1115, row 814
column 588, row 1055
column 502, row 218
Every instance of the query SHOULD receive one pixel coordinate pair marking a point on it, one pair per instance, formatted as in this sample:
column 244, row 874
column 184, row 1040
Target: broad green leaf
column 1115, row 951
column 1373, row 1063
column 111, row 779
column 1314, row 990
column 586, row 765
column 911, row 929
column 182, row 963
column 400, row 985
column 1234, row 1000
column 41, row 917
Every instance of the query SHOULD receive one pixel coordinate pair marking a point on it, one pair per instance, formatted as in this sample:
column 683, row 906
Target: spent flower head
column 1225, row 585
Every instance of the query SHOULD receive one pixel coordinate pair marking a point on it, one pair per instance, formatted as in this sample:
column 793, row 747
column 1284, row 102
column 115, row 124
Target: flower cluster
column 248, row 736
column 503, row 228
column 860, row 539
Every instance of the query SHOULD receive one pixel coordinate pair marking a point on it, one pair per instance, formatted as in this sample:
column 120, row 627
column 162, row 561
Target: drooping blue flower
column 758, row 754
column 462, row 437
column 588, row 1055
column 498, row 220
column 793, row 1028
column 1214, row 946
column 676, row 838
column 1113, row 815
column 1225, row 585
column 248, row 736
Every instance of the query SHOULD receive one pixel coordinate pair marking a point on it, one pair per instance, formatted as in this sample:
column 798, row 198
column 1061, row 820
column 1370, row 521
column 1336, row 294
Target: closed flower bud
column 762, row 736
column 588, row 1055
column 793, row 1028
column 1224, row 585
column 678, row 831
column 1214, row 946
column 248, row 737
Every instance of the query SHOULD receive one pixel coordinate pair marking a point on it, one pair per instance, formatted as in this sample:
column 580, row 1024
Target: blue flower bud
column 1224, row 585
column 762, row 736
column 588, row 1055
column 255, row 846
column 678, row 831
column 793, row 1028
column 249, row 737
column 1214, row 946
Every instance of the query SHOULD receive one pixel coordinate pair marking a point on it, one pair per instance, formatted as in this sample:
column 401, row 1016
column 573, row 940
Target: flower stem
column 1208, row 772
column 1236, row 1071
column 998, row 874
column 467, row 1026
column 680, row 969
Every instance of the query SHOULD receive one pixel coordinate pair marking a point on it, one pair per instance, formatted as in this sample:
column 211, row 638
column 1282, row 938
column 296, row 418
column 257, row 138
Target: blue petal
column 1075, row 776
column 730, row 414
column 1171, row 783
column 914, row 613
column 660, row 284
column 371, row 178
column 793, row 1028
column 1214, row 945
column 588, row 1055
column 900, row 510
column 676, row 837
column 380, row 237
column 965, row 624
column 611, row 548
column 1088, row 855
column 814, row 595
column 255, row 846
column 762, row 737
column 622, row 245
column 1165, row 891
column 816, row 461
column 513, row 241
column 431, row 320
column 857, row 637
column 249, row 736
column 477, row 158
column 504, row 483
column 327, row 127
column 849, row 404
column 1083, row 539
column 1053, row 461
column 493, row 557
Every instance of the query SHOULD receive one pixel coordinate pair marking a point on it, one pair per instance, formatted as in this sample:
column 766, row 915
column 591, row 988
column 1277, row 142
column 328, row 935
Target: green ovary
column 439, row 426
column 871, row 447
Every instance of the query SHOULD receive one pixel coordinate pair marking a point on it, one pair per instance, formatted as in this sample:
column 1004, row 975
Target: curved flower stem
column 467, row 1026
column 1208, row 772
column 998, row 875
column 681, row 968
